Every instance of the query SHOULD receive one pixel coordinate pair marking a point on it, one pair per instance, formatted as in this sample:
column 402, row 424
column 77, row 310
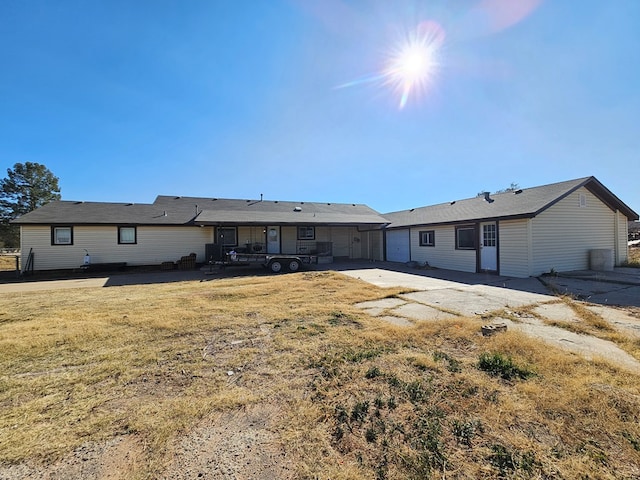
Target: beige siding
column 154, row 245
column 564, row 234
column 444, row 253
column 513, row 241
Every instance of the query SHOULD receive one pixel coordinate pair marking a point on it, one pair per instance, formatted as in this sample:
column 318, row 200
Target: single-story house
column 59, row 234
column 520, row 233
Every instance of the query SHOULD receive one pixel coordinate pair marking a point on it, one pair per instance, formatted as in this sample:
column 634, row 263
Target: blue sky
column 125, row 100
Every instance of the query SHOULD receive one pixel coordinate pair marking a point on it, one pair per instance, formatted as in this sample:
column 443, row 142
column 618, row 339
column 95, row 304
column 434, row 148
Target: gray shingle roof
column 525, row 203
column 171, row 210
column 246, row 212
column 100, row 213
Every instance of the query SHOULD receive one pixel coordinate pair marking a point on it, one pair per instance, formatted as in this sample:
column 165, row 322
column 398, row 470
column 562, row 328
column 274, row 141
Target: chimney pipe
column 487, row 198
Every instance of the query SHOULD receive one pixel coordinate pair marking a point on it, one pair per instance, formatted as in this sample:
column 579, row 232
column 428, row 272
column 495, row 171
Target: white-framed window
column 61, row 235
column 227, row 236
column 306, row 233
column 466, row 238
column 127, row 235
column 428, row 238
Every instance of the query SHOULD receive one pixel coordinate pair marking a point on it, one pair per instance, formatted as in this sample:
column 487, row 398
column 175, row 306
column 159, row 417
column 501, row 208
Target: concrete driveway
column 434, row 295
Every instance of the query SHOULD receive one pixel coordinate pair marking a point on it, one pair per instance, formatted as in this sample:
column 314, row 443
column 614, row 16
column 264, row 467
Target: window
column 428, row 238
column 228, row 236
column 61, row 235
column 465, row 238
column 127, row 235
column 489, row 235
column 306, row 233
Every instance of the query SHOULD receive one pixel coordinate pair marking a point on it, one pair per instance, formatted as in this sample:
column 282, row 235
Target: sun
column 414, row 62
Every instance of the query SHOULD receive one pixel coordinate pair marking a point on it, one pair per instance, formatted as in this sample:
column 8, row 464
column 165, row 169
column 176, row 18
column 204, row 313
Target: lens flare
column 414, row 62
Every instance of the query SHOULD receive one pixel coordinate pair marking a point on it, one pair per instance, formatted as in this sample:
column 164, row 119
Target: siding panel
column 444, row 253
column 514, row 248
column 564, row 234
column 155, row 245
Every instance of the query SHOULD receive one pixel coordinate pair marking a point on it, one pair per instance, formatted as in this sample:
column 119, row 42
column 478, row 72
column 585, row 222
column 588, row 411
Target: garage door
column 397, row 245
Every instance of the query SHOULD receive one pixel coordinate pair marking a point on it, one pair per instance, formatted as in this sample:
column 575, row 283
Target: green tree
column 27, row 186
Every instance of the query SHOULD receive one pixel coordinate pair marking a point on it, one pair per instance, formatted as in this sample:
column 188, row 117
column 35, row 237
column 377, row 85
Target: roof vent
column 80, row 202
column 517, row 192
column 412, row 210
column 451, row 203
column 297, row 209
column 214, row 199
column 177, row 198
column 487, row 198
column 128, row 204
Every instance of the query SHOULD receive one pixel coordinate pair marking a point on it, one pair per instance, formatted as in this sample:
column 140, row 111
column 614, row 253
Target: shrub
column 498, row 365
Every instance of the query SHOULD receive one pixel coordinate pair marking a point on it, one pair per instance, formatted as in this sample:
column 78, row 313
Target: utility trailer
column 275, row 262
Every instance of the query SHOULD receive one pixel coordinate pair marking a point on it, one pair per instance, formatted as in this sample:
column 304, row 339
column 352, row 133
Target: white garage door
column 397, row 245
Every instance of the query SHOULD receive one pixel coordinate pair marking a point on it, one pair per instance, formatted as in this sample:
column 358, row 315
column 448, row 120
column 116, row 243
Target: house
column 521, row 233
column 59, row 234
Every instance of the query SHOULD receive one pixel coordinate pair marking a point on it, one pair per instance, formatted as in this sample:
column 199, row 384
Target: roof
column 220, row 211
column 523, row 203
column 100, row 213
column 174, row 210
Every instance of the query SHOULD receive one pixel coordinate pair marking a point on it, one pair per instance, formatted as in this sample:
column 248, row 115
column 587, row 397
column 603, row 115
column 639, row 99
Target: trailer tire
column 275, row 266
column 294, row 265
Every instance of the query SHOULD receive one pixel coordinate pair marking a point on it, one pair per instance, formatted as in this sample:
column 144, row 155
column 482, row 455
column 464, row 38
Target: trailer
column 276, row 263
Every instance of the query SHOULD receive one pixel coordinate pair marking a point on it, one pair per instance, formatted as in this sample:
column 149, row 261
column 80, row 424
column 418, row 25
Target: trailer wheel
column 294, row 265
column 275, row 266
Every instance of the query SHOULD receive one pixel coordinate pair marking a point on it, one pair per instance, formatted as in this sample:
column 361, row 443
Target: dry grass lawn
column 348, row 396
column 7, row 263
column 634, row 257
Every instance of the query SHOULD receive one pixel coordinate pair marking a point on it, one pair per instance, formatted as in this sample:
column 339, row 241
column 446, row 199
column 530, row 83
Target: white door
column 397, row 245
column 489, row 246
column 273, row 239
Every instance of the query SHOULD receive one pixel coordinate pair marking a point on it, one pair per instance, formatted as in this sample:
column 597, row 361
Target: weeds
column 507, row 460
column 498, row 365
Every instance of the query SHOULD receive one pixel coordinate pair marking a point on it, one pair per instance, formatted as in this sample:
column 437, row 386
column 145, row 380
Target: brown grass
column 358, row 398
column 7, row 263
column 634, row 257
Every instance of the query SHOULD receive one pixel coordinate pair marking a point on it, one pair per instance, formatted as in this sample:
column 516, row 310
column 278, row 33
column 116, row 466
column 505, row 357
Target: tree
column 27, row 186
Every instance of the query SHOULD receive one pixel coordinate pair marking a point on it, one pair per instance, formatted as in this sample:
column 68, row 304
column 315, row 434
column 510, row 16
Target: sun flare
column 413, row 63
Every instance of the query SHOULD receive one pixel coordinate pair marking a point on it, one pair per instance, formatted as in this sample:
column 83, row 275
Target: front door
column 489, row 247
column 273, row 239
